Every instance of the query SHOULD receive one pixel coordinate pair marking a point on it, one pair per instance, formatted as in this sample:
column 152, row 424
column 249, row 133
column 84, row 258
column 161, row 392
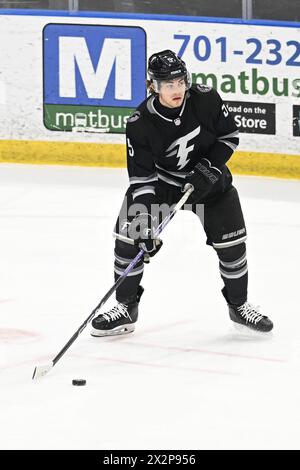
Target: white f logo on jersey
column 183, row 149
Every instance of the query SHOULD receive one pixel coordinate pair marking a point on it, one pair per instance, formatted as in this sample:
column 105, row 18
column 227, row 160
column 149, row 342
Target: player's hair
column 150, row 87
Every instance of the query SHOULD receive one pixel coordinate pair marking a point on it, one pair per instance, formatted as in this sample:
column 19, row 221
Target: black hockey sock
column 124, row 254
column 234, row 272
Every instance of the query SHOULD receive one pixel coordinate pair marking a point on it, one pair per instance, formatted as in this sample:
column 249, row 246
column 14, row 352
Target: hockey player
column 182, row 133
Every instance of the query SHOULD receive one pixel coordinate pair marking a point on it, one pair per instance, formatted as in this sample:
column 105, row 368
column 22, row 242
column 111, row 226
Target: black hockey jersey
column 165, row 149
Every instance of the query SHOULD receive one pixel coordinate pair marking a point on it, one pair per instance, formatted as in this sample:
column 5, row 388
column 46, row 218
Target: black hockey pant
column 224, row 225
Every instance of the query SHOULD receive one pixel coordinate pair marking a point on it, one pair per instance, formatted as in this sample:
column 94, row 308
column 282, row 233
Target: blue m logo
column 94, row 65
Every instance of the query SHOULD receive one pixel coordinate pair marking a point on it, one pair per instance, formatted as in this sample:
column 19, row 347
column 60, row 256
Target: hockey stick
column 39, row 371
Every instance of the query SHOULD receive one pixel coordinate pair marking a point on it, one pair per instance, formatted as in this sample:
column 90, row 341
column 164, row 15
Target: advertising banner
column 94, row 76
column 77, row 78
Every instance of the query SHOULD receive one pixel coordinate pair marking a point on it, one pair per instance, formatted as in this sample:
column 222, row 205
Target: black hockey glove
column 203, row 177
column 142, row 231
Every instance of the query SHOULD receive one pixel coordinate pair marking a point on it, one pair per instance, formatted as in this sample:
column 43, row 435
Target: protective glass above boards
column 287, row 10
column 218, row 8
column 37, row 4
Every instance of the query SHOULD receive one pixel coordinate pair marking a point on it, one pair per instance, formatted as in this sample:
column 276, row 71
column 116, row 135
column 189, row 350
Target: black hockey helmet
column 166, row 65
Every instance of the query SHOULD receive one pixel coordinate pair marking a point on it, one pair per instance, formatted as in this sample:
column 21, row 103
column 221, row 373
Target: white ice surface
column 185, row 379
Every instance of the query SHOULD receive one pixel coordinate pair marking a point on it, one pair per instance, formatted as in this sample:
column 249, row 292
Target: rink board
column 80, row 76
column 114, row 156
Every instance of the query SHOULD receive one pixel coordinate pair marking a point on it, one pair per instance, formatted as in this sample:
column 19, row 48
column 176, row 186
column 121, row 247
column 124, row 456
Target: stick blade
column 40, row 371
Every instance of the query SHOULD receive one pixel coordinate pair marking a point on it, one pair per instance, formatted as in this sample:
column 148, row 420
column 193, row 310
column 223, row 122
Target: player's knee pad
column 126, row 250
column 233, row 261
column 232, row 253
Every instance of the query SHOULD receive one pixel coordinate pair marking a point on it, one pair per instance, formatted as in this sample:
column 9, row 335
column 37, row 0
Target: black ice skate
column 119, row 320
column 248, row 316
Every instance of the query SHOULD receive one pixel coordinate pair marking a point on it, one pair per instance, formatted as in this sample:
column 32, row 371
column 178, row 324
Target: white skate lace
column 116, row 312
column 250, row 313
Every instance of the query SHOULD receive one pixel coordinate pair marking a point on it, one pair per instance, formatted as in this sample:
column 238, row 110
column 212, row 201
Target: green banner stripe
column 94, row 119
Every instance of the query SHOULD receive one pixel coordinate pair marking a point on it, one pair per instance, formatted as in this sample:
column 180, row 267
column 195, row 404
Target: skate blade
column 250, row 332
column 119, row 330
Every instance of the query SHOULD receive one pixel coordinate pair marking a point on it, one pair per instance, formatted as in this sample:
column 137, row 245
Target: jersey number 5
column 130, row 148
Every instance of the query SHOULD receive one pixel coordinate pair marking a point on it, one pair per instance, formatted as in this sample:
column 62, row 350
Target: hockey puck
column 79, row 382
